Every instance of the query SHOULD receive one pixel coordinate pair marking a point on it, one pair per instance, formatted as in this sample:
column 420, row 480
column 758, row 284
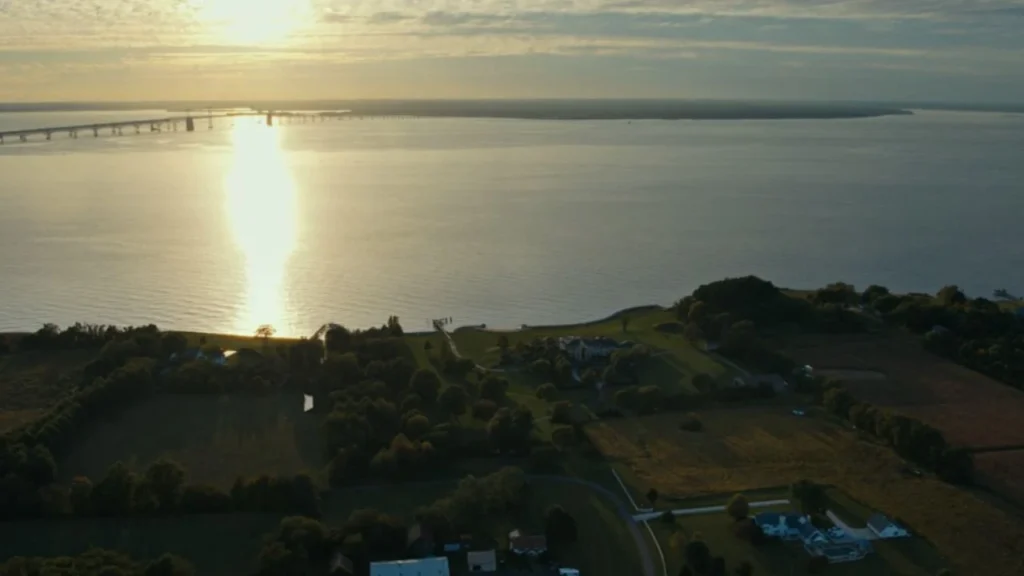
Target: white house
column 588, row 349
column 526, row 545
column 789, row 526
column 417, row 567
column 482, row 561
column 885, row 528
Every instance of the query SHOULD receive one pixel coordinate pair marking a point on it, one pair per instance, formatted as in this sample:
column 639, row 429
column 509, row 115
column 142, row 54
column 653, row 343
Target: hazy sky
column 951, row 50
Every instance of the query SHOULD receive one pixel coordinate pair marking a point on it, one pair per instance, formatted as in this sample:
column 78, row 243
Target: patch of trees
column 97, row 562
column 559, row 529
column 713, row 309
column 910, row 437
column 624, row 366
column 51, row 338
column 473, row 505
column 976, row 333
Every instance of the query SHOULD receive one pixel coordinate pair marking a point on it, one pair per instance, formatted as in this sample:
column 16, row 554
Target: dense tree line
column 96, row 562
column 910, row 437
column 974, row 332
column 305, row 546
column 716, row 309
column 50, row 337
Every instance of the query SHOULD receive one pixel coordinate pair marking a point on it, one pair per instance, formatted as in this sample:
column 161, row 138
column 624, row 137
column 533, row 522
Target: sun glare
column 253, row 21
column 261, row 210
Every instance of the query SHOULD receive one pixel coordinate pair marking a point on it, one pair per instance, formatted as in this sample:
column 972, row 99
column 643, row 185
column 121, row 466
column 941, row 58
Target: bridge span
column 186, row 123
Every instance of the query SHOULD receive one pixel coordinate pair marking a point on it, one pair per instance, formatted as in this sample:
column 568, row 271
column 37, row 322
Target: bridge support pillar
column 49, row 135
column 23, row 138
column 96, row 132
column 270, row 119
column 190, row 125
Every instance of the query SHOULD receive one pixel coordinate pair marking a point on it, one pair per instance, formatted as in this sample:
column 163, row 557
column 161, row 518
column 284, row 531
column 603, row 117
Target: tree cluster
column 910, row 437
column 97, row 562
column 976, row 333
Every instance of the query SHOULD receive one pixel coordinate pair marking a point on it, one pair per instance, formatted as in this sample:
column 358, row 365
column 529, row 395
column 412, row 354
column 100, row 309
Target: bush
column 563, row 436
column 426, row 384
column 738, row 507
column 748, row 530
column 691, row 423
column 493, row 388
column 547, row 392
column 484, row 409
column 817, row 565
column 454, row 400
column 561, row 413
column 545, row 459
column 202, row 499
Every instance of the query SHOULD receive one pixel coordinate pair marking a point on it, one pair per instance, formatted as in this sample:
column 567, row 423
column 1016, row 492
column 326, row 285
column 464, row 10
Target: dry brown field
column 751, row 448
column 1002, row 472
column 971, row 409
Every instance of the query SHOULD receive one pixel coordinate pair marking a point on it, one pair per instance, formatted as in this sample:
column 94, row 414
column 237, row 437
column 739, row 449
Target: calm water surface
column 501, row 222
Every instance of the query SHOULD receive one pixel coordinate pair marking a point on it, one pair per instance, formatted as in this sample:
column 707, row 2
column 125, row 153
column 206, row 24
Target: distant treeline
column 552, row 109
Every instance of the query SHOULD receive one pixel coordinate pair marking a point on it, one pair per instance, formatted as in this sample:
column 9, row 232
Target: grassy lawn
column 677, row 361
column 215, row 544
column 745, row 449
column 31, row 382
column 216, row 438
column 604, row 546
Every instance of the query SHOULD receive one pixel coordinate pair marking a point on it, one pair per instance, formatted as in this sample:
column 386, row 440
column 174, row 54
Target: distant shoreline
column 518, row 109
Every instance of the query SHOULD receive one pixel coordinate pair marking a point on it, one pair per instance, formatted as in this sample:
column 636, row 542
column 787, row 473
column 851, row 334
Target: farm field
column 1002, row 471
column 216, row 438
column 31, row 382
column 751, row 448
column 971, row 409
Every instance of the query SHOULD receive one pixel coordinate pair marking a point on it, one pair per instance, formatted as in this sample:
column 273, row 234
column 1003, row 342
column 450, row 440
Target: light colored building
column 526, row 545
column 417, row 567
column 482, row 561
column 789, row 526
column 885, row 528
column 588, row 349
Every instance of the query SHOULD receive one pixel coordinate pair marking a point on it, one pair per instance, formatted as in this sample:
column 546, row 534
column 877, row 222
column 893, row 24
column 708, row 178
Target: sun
column 252, row 21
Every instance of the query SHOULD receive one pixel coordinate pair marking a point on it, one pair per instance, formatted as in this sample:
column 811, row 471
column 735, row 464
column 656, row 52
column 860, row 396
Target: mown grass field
column 31, row 382
column 677, row 361
column 216, row 438
column 746, row 449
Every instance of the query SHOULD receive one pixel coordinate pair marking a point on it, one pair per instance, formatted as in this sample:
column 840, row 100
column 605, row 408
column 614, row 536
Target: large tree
column 738, row 507
column 426, row 384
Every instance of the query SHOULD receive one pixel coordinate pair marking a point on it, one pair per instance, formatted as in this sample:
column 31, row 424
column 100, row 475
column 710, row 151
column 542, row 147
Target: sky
column 969, row 51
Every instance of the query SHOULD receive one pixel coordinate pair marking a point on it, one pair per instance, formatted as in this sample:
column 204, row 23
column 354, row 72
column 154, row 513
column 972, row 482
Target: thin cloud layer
column 743, row 38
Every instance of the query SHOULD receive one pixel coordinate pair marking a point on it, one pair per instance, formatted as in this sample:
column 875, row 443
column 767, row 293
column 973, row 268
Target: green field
column 216, row 438
column 31, row 382
column 675, row 360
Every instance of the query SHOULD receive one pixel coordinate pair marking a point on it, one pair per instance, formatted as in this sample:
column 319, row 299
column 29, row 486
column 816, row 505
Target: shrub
column 484, row 409
column 547, row 392
column 561, row 413
column 691, row 423
column 738, row 507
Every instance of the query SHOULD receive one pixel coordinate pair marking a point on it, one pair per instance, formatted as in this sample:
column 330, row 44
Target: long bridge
column 173, row 123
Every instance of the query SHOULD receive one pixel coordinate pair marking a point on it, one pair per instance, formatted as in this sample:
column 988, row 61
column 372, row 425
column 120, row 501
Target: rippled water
column 502, row 222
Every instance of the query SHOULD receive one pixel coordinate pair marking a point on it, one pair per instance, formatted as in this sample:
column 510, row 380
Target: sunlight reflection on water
column 261, row 210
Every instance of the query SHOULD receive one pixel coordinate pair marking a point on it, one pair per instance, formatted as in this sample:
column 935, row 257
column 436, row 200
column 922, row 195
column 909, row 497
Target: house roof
column 520, row 541
column 420, row 567
column 880, row 522
column 486, row 559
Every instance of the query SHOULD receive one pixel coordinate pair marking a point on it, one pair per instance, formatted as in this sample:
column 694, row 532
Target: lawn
column 745, row 449
column 910, row 557
column 216, row 438
column 215, row 544
column 31, row 382
column 677, row 360
column 604, row 546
